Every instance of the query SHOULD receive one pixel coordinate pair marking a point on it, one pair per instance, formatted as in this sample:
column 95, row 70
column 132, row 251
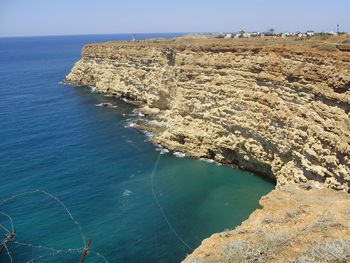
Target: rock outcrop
column 277, row 108
column 294, row 226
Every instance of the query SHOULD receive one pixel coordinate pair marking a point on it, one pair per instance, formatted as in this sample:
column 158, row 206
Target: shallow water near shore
column 55, row 137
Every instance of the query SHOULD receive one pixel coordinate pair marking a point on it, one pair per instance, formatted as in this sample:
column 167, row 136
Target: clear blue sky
column 63, row 17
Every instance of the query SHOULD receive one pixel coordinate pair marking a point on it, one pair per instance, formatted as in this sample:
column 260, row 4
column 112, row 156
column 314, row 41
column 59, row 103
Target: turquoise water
column 54, row 137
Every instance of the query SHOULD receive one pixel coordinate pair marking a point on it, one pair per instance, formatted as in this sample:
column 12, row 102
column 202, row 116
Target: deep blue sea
column 53, row 137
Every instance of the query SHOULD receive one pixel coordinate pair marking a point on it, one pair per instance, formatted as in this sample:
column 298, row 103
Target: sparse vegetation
column 259, row 252
column 330, row 251
column 327, row 47
column 334, row 251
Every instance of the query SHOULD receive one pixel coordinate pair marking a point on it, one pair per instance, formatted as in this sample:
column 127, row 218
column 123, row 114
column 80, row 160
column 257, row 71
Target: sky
column 69, row 17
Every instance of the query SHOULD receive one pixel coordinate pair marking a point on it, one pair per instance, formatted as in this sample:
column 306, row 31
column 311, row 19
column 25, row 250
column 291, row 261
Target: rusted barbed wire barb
column 85, row 251
column 10, row 236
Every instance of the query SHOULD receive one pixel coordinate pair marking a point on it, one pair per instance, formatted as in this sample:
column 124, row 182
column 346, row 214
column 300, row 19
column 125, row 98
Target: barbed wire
column 54, row 251
column 40, row 246
column 56, row 199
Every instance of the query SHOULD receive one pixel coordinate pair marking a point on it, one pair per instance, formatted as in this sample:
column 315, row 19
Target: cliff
column 279, row 109
column 276, row 107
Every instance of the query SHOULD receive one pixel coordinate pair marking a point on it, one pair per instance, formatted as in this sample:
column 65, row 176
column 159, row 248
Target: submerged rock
column 106, row 105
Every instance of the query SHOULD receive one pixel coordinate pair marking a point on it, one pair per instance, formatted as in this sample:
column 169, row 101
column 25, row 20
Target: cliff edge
column 278, row 107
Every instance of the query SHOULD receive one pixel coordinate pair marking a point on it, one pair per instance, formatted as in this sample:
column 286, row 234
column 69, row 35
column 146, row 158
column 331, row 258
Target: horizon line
column 91, row 34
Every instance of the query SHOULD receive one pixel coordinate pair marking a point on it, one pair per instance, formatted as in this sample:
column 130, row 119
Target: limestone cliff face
column 277, row 109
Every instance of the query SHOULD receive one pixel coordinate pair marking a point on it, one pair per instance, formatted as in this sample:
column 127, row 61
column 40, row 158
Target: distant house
column 310, row 33
column 242, row 34
column 228, row 36
column 269, row 32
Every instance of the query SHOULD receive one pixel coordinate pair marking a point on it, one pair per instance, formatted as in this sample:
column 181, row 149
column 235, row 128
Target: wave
column 161, row 149
column 206, row 160
column 129, row 125
column 179, row 154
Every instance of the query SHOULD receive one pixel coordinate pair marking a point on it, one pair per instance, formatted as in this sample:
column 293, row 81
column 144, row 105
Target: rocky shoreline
column 279, row 108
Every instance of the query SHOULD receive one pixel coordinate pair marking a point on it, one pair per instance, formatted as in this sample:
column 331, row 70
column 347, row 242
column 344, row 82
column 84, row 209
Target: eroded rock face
column 282, row 111
column 294, row 226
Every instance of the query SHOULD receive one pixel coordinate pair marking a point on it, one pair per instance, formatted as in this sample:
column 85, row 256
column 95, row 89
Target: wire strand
column 55, row 253
column 160, row 207
column 99, row 255
column 10, row 219
column 8, row 253
column 4, row 228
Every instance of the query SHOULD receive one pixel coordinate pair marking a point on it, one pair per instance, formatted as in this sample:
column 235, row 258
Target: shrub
column 220, row 36
column 327, row 48
column 335, row 250
column 259, row 252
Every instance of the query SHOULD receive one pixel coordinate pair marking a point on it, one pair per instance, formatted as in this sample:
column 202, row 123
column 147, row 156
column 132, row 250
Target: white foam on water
column 129, row 125
column 92, row 88
column 206, row 160
column 179, row 154
column 127, row 192
column 161, row 149
column 149, row 134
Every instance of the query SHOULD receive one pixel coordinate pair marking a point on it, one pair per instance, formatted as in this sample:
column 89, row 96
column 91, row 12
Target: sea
column 72, row 171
